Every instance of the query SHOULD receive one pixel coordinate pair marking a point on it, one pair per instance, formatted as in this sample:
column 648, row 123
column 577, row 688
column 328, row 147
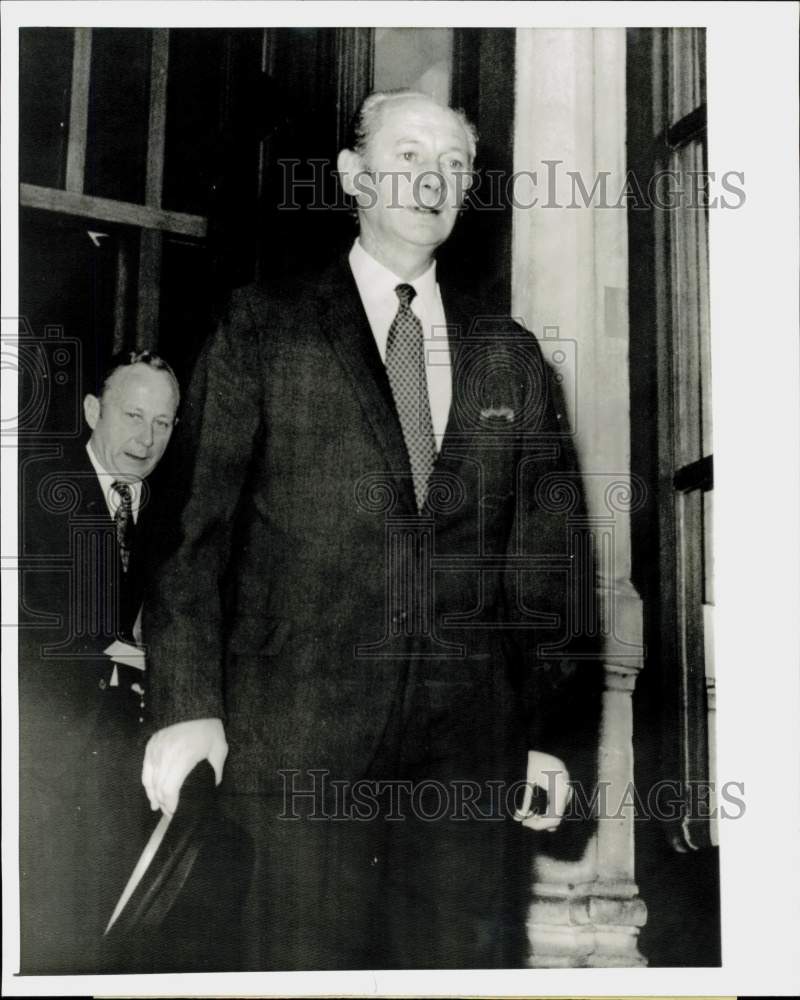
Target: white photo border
column 752, row 64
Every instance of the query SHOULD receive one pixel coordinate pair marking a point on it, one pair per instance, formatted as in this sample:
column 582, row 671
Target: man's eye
column 133, row 416
column 163, row 425
column 408, row 155
column 456, row 164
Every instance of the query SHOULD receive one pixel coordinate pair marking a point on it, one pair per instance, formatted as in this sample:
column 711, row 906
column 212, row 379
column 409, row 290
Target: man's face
column 418, row 157
column 133, row 420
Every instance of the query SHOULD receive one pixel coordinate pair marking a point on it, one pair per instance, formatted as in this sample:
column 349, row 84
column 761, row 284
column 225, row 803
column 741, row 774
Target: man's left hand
column 549, row 773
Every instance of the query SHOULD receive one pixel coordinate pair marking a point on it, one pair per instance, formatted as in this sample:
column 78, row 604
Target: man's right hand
column 173, row 752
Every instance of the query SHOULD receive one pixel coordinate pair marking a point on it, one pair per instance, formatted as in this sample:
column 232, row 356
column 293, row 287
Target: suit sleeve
column 184, row 613
column 552, row 601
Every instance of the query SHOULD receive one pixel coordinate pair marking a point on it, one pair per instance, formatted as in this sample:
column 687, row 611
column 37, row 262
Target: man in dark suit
column 367, row 609
column 85, row 517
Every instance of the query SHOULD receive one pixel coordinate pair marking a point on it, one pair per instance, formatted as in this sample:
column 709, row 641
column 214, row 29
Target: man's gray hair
column 367, row 119
column 125, row 359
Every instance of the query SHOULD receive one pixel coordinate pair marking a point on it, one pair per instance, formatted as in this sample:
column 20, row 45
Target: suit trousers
column 59, row 701
column 115, row 817
column 418, row 865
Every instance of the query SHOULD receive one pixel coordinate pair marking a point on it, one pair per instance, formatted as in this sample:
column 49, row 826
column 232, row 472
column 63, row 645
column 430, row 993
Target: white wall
column 569, row 285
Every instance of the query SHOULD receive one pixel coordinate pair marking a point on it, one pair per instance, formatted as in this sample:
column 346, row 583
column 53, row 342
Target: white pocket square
column 497, row 413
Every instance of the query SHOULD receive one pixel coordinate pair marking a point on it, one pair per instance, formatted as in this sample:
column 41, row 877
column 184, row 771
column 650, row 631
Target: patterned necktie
column 123, row 520
column 405, row 366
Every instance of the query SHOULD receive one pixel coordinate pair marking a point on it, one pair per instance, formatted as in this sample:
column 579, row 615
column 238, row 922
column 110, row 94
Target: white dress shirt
column 106, row 479
column 376, row 286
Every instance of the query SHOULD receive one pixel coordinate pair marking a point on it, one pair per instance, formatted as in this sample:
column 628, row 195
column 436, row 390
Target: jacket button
column 102, row 684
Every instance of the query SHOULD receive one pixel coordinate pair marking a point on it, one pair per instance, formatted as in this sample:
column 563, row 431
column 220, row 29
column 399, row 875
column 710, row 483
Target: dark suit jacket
column 75, row 600
column 284, row 606
column 74, row 730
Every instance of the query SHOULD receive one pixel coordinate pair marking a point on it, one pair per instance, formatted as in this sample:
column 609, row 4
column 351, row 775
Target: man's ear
column 91, row 410
column 350, row 164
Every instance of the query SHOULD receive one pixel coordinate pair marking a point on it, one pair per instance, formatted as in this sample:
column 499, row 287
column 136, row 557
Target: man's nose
column 145, row 434
column 429, row 184
column 429, row 177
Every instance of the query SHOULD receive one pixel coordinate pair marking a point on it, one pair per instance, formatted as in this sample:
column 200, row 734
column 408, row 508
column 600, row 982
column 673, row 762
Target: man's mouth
column 424, row 210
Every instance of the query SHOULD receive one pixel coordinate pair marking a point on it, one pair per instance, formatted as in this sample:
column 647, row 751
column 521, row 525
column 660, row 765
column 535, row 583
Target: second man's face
column 133, row 420
column 418, row 159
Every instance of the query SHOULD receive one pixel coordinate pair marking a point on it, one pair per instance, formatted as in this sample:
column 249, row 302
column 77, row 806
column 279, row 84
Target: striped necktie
column 123, row 520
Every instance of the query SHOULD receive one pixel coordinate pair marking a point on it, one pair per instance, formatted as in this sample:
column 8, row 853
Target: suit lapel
column 79, row 470
column 459, row 431
column 95, row 506
column 345, row 323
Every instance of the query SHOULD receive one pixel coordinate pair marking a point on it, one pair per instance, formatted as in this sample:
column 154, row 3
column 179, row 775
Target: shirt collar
column 377, row 283
column 107, row 480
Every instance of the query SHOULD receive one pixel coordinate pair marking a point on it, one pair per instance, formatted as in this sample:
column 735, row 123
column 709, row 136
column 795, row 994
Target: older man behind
column 86, row 518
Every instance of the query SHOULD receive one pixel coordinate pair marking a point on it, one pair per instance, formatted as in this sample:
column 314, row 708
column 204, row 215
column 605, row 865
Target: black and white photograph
column 399, row 531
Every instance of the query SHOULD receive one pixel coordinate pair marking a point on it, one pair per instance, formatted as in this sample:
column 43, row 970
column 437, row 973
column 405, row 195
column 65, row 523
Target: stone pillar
column 570, row 287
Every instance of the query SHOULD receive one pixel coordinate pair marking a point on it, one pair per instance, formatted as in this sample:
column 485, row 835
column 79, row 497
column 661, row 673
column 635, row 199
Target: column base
column 585, row 926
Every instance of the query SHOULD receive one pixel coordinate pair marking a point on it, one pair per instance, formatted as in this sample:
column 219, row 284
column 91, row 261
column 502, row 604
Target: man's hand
column 547, row 772
column 171, row 754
